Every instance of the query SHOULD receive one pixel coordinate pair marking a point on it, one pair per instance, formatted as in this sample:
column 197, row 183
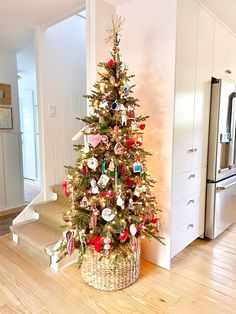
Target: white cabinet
column 186, row 53
column 224, row 62
column 192, row 92
column 203, row 87
column 11, row 178
column 188, row 221
column 192, row 105
column 221, row 49
column 232, row 57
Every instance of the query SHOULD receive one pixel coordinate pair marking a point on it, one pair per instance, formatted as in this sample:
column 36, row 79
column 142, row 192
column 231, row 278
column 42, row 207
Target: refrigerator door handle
column 221, row 188
column 232, row 131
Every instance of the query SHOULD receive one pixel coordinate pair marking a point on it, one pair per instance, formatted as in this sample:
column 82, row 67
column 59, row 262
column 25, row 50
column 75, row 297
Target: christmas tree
column 109, row 187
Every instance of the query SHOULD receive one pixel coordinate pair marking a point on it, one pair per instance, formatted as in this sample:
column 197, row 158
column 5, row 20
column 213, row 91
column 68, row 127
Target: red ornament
column 142, row 126
column 66, row 193
column 123, row 235
column 97, row 242
column 64, row 185
column 129, row 142
column 140, row 227
column 123, row 170
column 103, row 195
column 110, row 63
column 110, row 194
column 129, row 183
column 83, row 170
column 154, row 220
column 131, row 114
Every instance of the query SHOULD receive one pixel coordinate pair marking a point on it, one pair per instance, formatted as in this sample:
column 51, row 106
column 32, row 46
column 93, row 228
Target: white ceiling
column 18, row 18
column 225, row 10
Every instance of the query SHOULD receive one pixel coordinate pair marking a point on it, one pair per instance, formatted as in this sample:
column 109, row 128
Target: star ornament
column 117, row 26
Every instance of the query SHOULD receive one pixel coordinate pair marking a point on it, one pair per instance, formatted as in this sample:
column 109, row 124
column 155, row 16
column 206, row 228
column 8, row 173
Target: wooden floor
column 202, row 280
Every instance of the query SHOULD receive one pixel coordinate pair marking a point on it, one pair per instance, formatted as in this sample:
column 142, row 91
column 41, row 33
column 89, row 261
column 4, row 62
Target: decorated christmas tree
column 109, row 187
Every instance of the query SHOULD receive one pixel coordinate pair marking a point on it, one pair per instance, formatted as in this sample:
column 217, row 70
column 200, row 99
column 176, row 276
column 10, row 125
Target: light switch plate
column 52, row 111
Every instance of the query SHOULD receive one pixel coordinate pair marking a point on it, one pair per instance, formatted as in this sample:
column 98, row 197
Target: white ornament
column 123, row 117
column 94, row 186
column 131, row 204
column 92, row 163
column 112, row 80
column 134, row 125
column 122, row 107
column 133, row 229
column 86, row 148
column 119, row 149
column 103, row 180
column 107, row 214
column 137, row 191
column 103, row 104
column 126, row 88
column 84, row 202
column 119, row 201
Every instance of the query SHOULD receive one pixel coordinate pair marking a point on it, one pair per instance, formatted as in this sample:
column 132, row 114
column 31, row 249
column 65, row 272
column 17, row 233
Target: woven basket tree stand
column 102, row 273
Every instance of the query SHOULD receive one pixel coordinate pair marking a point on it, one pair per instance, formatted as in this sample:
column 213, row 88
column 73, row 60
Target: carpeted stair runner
column 35, row 236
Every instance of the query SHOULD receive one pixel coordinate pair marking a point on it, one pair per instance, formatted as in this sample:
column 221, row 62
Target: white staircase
column 40, row 236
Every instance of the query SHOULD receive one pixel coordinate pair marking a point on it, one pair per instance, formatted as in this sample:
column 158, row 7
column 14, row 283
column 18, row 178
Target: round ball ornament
column 107, row 214
column 126, row 88
column 92, row 163
column 114, row 105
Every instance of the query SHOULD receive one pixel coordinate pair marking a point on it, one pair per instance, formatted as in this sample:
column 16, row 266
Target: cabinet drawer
column 191, row 229
column 187, row 208
column 188, row 183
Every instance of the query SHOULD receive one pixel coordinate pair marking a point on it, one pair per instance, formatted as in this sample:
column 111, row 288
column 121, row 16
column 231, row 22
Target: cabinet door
column 203, row 87
column 221, row 49
column 2, row 178
column 232, row 57
column 186, row 51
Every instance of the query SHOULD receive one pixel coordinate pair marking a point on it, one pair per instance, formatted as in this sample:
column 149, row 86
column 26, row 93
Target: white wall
column 148, row 48
column 62, row 84
column 99, row 17
column 11, row 183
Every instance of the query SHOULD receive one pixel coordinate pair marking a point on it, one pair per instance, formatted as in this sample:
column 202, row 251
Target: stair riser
column 34, row 252
column 54, row 224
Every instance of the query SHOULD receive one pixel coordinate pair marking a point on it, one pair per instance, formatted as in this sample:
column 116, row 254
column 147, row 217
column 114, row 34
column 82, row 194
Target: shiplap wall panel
column 64, row 84
column 13, row 170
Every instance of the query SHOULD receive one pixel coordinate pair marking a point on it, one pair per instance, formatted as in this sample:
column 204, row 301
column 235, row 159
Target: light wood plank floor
column 202, row 280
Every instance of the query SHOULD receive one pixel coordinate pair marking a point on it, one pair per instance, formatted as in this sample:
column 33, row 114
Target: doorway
column 28, row 111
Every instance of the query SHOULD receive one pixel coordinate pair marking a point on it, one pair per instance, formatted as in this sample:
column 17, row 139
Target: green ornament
column 103, row 128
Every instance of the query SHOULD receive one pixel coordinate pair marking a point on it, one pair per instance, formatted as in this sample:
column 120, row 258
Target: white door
column 28, row 135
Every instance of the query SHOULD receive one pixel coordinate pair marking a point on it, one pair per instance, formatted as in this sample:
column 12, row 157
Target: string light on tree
column 109, row 188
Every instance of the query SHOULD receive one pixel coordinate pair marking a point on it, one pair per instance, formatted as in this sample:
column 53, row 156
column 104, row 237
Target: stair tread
column 38, row 234
column 53, row 211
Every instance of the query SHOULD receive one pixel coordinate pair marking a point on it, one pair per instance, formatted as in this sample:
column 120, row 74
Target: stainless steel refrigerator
column 221, row 173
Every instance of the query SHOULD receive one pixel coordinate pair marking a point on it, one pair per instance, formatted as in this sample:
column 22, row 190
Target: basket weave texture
column 102, row 273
